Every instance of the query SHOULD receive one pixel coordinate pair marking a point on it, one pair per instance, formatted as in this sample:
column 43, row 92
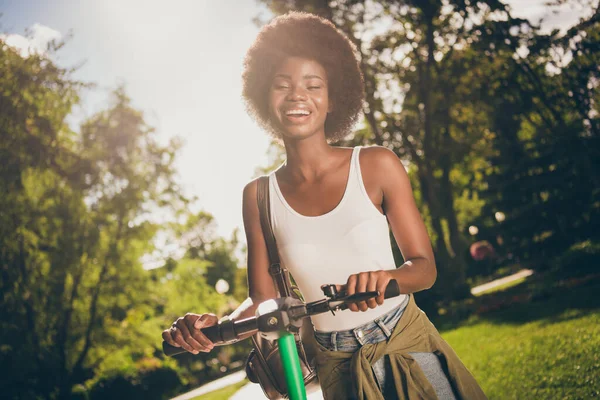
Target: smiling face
column 298, row 98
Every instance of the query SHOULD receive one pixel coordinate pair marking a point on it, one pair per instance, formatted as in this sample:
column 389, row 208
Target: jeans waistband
column 370, row 332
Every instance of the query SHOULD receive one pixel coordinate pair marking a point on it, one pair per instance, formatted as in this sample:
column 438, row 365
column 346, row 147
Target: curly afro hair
column 300, row 34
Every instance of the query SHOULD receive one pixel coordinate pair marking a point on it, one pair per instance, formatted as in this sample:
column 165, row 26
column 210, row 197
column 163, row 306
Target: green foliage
column 188, row 285
column 580, row 259
column 80, row 311
column 197, row 236
column 544, row 173
column 150, row 380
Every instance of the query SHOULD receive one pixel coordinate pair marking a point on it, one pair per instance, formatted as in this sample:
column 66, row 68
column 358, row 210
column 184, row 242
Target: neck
column 308, row 158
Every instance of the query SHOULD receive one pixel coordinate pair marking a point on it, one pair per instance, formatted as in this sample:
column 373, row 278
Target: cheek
column 322, row 103
column 323, row 98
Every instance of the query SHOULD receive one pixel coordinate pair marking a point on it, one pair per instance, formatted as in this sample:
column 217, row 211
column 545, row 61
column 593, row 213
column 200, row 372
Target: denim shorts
column 378, row 330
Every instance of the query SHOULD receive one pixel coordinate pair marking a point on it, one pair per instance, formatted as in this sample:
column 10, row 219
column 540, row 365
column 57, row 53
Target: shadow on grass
column 542, row 297
column 551, row 307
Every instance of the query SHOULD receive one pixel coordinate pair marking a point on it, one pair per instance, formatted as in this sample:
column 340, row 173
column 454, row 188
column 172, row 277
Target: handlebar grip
column 392, row 289
column 211, row 332
column 171, row 351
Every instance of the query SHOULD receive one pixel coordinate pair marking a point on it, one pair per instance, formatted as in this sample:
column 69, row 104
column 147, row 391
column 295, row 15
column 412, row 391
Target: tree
column 74, row 225
column 197, row 236
column 544, row 173
column 417, row 104
column 37, row 157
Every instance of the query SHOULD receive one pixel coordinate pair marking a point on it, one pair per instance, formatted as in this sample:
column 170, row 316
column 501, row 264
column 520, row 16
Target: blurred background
column 124, row 149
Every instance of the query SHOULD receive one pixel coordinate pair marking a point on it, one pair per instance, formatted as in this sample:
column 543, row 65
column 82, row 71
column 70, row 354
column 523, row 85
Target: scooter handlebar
column 213, row 333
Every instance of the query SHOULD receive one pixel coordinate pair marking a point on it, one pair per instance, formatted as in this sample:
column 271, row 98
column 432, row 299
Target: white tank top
column 351, row 238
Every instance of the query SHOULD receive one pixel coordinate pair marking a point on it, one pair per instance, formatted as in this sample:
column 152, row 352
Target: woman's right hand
column 185, row 332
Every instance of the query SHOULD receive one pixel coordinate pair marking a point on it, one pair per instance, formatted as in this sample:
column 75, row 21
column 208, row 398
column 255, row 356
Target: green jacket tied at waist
column 345, row 375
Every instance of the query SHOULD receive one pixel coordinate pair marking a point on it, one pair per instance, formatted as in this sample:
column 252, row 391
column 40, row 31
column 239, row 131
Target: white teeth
column 297, row 112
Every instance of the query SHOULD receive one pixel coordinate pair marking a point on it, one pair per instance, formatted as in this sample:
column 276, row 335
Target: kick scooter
column 279, row 319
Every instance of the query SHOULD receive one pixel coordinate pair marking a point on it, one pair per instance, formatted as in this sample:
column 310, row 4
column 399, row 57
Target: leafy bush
column 581, row 258
column 157, row 382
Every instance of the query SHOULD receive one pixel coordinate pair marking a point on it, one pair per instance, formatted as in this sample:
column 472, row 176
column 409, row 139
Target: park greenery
column 492, row 115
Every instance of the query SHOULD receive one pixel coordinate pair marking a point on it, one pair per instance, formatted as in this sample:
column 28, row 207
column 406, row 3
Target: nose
column 297, row 94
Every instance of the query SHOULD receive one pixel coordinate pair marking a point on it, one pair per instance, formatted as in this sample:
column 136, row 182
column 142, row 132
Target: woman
column 330, row 209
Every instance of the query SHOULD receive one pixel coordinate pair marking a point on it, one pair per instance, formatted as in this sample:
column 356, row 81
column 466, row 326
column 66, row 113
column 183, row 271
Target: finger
column 196, row 321
column 205, row 343
column 166, row 335
column 190, row 318
column 371, row 287
column 350, row 290
column 382, row 284
column 203, row 322
column 178, row 337
column 361, row 286
column 187, row 336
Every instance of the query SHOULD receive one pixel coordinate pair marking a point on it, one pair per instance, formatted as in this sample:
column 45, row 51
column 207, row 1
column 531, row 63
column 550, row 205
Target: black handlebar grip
column 212, row 333
column 171, row 350
column 392, row 289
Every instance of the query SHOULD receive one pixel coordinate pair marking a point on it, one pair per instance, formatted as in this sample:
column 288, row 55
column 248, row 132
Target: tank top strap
column 353, row 177
column 355, row 164
column 274, row 201
column 356, row 183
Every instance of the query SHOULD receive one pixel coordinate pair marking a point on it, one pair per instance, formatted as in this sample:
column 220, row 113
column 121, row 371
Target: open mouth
column 297, row 115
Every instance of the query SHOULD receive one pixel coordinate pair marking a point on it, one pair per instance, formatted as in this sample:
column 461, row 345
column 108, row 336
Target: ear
column 330, row 108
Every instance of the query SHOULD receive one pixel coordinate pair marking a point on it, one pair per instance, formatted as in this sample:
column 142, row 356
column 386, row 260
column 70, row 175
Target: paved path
column 214, row 385
column 487, row 286
column 253, row 391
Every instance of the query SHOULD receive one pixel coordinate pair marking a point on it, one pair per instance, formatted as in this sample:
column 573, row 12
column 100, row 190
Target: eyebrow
column 304, row 77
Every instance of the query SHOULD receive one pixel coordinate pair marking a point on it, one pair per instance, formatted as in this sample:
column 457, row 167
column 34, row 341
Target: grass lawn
column 544, row 349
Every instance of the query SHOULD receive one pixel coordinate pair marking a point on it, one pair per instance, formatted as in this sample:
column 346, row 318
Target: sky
column 181, row 63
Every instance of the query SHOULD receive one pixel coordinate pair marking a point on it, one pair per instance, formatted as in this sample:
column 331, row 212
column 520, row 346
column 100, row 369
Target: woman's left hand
column 366, row 282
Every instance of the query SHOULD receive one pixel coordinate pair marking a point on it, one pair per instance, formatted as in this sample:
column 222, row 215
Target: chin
column 297, row 134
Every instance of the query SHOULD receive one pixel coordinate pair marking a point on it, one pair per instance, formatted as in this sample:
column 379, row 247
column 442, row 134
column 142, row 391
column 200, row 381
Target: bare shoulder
column 379, row 161
column 250, row 190
column 250, row 203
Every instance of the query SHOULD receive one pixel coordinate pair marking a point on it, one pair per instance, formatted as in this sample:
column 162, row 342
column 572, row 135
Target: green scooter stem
column 291, row 367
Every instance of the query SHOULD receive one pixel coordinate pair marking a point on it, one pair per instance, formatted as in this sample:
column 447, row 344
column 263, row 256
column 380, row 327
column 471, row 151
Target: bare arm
column 419, row 270
column 186, row 332
column 260, row 283
column 388, row 187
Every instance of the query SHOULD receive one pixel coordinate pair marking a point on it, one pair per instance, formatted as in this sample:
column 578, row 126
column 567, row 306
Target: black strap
column 279, row 274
